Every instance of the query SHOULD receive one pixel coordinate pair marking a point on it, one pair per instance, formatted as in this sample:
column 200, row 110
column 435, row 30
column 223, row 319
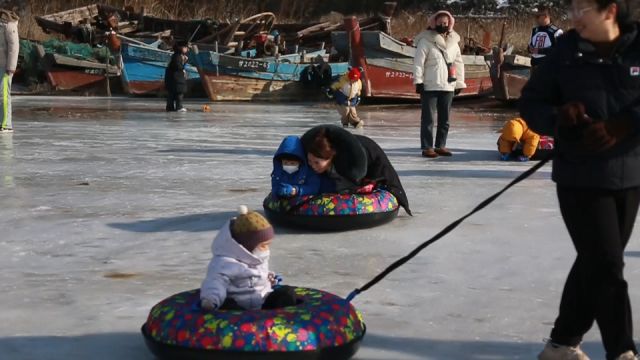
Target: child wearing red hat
column 346, row 93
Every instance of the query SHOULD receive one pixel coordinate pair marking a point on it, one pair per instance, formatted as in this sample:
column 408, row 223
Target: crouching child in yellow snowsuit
column 515, row 132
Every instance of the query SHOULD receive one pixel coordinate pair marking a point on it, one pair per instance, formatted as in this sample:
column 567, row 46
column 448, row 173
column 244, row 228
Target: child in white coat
column 238, row 275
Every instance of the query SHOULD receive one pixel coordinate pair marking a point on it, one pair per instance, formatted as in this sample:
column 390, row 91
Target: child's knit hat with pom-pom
column 250, row 228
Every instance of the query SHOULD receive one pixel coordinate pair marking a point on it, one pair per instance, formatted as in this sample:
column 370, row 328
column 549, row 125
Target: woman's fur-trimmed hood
column 442, row 42
column 431, row 24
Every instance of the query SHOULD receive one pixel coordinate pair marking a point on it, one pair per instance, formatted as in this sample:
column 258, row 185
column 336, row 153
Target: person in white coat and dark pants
column 9, row 48
column 438, row 73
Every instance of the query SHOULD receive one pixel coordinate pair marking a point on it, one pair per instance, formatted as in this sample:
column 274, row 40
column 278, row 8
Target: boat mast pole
column 352, row 26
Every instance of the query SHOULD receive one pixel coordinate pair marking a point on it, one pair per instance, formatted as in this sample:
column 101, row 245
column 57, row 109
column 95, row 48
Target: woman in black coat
column 354, row 163
column 587, row 94
column 175, row 78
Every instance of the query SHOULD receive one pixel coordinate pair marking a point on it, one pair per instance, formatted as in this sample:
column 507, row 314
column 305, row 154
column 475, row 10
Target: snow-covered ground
column 109, row 206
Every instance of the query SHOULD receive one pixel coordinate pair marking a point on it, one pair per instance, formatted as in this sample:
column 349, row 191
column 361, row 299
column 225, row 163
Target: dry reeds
column 517, row 28
column 405, row 23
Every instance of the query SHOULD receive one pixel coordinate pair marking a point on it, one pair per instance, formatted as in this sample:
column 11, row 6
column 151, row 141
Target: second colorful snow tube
column 333, row 212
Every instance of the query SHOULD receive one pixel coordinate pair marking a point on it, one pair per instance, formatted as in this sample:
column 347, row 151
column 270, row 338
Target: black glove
column 419, row 88
column 601, row 135
column 572, row 121
column 572, row 114
column 457, row 91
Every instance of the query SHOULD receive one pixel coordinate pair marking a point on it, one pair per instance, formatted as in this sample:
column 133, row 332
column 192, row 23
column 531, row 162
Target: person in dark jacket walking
column 355, row 163
column 175, row 78
column 587, row 94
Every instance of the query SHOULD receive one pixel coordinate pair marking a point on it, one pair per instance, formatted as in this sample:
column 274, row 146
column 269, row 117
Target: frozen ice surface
column 109, row 206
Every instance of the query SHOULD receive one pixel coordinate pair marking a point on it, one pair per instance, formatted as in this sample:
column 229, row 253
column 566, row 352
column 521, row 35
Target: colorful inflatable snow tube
column 333, row 212
column 545, row 147
column 321, row 326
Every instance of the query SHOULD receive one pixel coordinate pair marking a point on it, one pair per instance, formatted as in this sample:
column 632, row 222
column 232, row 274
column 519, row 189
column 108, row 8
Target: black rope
column 448, row 229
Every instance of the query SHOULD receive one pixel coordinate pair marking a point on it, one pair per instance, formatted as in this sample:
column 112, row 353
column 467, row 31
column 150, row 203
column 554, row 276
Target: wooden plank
column 517, row 60
column 388, row 43
column 68, row 61
column 73, row 15
column 312, row 29
column 474, row 60
column 40, row 50
column 125, row 28
column 313, row 57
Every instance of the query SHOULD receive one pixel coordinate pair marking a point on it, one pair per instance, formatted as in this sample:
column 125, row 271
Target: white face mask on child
column 261, row 254
column 290, row 169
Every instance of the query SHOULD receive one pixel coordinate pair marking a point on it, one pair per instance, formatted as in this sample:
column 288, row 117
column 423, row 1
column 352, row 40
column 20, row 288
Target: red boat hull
column 74, row 79
column 388, row 64
column 390, row 83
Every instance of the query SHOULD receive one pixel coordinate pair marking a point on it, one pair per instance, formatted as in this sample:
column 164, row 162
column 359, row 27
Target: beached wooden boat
column 316, row 34
column 88, row 23
column 509, row 74
column 237, row 78
column 143, row 69
column 67, row 73
column 181, row 30
column 388, row 64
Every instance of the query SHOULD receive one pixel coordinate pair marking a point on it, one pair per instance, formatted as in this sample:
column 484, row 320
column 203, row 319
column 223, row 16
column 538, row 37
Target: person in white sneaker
column 553, row 351
column 593, row 116
column 175, row 78
column 9, row 48
column 629, row 355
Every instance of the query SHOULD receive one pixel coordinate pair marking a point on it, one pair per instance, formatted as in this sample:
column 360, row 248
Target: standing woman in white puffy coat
column 9, row 48
column 438, row 73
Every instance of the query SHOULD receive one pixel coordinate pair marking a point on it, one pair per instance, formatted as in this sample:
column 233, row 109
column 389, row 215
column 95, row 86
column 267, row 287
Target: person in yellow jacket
column 9, row 47
column 516, row 132
column 346, row 92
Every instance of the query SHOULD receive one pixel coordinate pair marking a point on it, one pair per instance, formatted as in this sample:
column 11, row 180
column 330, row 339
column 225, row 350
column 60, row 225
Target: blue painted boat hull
column 143, row 72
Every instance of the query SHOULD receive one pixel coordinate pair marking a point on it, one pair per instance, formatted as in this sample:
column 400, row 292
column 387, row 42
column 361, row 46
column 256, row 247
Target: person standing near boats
column 438, row 74
column 175, row 78
column 543, row 37
column 9, row 48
